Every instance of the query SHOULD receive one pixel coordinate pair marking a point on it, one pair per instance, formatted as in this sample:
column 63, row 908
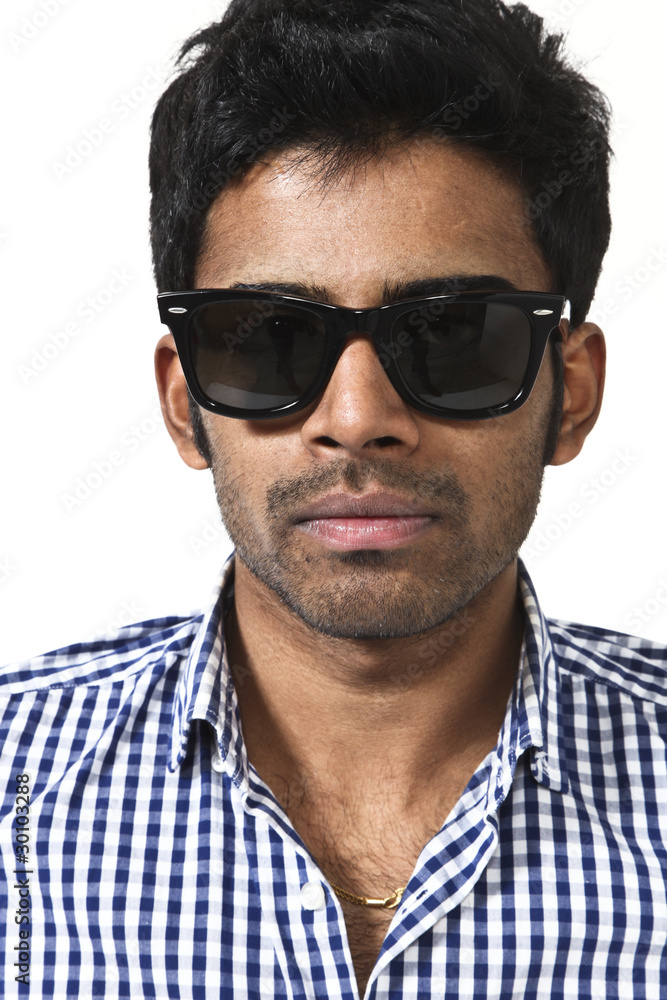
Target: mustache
column 442, row 489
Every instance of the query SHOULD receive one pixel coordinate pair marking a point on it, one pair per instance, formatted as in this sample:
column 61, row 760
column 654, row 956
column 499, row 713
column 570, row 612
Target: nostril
column 387, row 441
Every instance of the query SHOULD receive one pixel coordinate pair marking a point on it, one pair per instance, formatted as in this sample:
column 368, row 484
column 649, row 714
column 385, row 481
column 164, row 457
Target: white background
column 148, row 541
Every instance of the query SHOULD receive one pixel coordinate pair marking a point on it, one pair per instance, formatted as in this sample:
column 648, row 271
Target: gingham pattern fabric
column 162, row 866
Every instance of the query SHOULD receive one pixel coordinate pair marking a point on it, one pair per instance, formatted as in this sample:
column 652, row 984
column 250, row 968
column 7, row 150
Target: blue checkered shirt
column 152, row 861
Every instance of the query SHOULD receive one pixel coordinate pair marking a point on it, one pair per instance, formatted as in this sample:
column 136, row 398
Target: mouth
column 344, row 522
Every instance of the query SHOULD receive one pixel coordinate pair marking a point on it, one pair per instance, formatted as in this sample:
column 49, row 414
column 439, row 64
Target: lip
column 375, row 521
column 373, row 505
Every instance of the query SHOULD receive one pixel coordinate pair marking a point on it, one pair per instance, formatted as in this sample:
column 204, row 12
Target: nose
column 359, row 410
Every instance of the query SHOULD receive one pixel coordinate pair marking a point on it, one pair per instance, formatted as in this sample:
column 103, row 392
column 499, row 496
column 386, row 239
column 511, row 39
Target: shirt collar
column 537, row 692
column 206, row 686
column 206, row 691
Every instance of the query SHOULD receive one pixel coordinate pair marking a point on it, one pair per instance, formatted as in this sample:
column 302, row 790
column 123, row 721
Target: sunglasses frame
column 544, row 311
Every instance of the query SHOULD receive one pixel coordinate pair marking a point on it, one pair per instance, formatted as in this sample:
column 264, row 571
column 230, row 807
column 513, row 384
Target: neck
column 347, row 715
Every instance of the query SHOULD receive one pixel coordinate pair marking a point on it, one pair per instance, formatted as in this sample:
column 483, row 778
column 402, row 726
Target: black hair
column 347, row 79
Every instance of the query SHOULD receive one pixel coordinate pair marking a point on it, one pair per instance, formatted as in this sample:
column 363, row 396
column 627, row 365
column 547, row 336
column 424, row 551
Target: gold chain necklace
column 389, row 902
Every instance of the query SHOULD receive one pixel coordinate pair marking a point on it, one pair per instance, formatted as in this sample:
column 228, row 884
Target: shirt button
column 312, row 896
column 217, row 763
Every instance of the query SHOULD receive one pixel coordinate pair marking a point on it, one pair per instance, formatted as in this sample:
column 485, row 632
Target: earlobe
column 174, row 402
column 584, row 358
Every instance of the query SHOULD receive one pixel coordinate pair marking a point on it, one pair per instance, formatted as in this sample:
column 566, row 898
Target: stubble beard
column 384, row 594
column 379, row 594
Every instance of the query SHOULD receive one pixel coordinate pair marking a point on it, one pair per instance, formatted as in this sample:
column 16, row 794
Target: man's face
column 428, row 212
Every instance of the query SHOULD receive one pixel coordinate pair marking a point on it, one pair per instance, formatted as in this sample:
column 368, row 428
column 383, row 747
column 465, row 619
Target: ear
column 584, row 359
column 174, row 402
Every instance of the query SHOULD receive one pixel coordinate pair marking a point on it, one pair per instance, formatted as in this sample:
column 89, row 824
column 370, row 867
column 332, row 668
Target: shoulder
column 630, row 664
column 109, row 659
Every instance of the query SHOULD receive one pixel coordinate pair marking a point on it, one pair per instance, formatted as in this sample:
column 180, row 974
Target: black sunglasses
column 259, row 355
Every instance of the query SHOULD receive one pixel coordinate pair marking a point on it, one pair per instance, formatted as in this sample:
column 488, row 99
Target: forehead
column 420, row 210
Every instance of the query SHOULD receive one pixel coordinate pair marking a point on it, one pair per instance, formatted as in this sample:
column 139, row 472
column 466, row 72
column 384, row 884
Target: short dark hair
column 347, row 79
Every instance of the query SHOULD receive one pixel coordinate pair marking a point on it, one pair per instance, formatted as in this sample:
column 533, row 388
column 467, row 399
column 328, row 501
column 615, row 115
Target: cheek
column 228, row 446
column 253, row 453
column 473, row 448
column 501, row 453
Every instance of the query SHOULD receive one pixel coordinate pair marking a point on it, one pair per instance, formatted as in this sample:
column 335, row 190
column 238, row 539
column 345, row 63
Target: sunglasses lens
column 463, row 356
column 255, row 355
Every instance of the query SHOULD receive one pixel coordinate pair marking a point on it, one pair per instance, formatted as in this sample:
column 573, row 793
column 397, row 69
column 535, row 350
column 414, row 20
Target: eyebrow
column 393, row 291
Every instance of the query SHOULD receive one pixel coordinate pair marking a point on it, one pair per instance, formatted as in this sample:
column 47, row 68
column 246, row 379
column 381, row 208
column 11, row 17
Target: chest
column 366, row 931
column 369, row 853
column 376, row 874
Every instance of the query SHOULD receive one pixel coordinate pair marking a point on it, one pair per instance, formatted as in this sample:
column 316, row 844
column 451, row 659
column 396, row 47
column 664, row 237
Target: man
column 371, row 766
